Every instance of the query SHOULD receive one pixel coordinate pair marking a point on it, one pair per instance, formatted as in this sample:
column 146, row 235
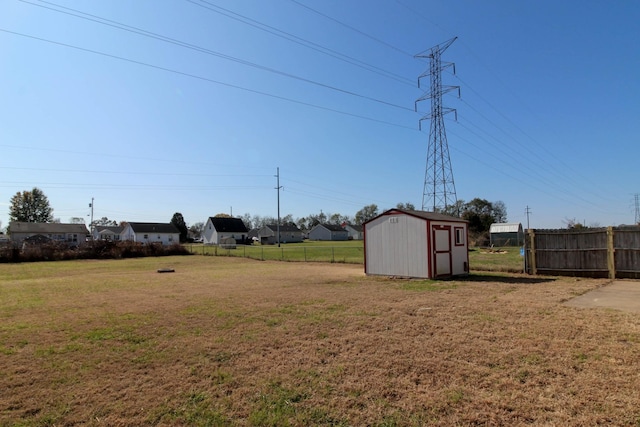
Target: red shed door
column 442, row 250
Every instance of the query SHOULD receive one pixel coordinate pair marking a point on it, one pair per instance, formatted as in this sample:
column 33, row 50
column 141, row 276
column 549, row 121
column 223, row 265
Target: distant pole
column 91, row 206
column 278, row 187
column 527, row 211
column 91, row 223
column 637, row 200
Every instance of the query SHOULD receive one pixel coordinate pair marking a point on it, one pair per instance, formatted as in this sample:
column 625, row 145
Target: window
column 146, row 236
column 459, row 236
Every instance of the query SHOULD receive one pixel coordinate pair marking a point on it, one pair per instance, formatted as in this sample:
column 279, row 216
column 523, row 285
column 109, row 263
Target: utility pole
column 91, row 223
column 637, row 200
column 439, row 189
column 527, row 211
column 278, row 187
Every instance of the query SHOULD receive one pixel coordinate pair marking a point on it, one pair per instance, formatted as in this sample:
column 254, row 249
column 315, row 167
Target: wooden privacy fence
column 612, row 252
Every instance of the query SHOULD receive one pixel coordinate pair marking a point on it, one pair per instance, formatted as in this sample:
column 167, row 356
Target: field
column 498, row 259
column 234, row 341
column 351, row 251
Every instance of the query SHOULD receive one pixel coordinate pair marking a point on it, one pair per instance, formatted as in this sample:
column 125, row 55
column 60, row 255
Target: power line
column 544, row 161
column 299, row 40
column 206, row 79
column 172, row 174
column 382, row 42
column 76, row 185
column 173, row 41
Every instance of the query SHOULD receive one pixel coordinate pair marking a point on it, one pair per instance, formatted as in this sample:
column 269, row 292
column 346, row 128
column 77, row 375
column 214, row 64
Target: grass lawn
column 506, row 259
column 351, row 252
column 231, row 341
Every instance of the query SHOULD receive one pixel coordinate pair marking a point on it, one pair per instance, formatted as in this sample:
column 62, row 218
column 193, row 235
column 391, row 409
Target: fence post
column 532, row 252
column 611, row 259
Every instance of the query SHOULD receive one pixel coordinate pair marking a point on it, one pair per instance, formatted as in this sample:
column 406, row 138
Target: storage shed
column 506, row 234
column 416, row 244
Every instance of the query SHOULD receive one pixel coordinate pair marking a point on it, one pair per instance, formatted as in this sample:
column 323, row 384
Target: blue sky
column 160, row 106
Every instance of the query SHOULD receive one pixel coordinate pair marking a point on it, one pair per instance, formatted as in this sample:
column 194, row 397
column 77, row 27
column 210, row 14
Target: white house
column 355, row 231
column 289, row 233
column 151, row 232
column 103, row 232
column 328, row 232
column 69, row 234
column 416, row 244
column 220, row 229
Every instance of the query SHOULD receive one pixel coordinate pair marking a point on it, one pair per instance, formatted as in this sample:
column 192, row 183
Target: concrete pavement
column 620, row 294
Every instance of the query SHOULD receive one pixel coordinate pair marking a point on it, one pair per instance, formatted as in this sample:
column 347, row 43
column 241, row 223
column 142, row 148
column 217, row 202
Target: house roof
column 353, row 227
column 283, row 227
column 113, row 229
column 228, row 225
column 153, row 227
column 331, row 227
column 46, row 227
column 431, row 216
column 506, row 227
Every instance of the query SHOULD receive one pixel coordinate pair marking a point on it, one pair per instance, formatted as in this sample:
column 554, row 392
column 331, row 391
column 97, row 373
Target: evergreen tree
column 178, row 221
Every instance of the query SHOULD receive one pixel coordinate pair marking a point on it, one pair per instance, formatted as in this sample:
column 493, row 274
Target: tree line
column 33, row 206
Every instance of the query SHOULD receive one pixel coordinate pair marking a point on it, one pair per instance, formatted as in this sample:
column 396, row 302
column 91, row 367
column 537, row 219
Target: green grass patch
column 276, row 406
column 197, row 409
column 351, row 251
column 505, row 259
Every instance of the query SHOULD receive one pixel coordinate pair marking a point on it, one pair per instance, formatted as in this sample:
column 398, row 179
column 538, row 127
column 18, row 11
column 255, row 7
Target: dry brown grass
column 230, row 341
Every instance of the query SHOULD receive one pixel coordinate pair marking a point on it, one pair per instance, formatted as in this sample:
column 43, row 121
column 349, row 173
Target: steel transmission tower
column 439, row 188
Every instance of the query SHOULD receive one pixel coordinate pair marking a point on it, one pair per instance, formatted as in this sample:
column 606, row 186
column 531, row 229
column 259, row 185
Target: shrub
column 99, row 249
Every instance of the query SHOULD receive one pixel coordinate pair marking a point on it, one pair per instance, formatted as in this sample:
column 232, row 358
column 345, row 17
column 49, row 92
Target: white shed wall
column 396, row 245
